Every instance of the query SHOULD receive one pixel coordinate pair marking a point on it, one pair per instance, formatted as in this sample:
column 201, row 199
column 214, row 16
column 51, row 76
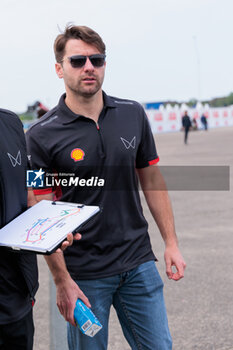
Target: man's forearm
column 160, row 207
column 155, row 191
column 158, row 201
column 67, row 290
column 57, row 266
column 161, row 210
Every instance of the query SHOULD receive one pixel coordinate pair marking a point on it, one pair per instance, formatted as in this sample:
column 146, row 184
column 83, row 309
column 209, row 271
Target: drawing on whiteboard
column 43, row 226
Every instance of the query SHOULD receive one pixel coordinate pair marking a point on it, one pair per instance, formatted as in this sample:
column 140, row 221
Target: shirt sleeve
column 38, row 158
column 147, row 153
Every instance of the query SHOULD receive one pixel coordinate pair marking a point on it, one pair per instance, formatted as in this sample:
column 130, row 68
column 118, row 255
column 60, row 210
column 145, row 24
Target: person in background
column 194, row 124
column 41, row 112
column 187, row 125
column 40, row 109
column 204, row 122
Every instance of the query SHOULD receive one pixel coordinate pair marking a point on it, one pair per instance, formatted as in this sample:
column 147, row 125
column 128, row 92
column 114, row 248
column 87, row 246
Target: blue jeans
column 137, row 296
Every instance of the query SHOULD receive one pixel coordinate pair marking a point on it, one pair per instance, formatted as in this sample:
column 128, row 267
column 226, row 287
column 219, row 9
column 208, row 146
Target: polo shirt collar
column 68, row 116
column 108, row 101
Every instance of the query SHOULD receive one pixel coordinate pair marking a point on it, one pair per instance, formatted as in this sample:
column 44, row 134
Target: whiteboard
column 43, row 227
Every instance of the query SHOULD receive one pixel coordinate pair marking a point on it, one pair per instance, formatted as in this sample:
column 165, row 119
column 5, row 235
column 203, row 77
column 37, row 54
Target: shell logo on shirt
column 77, row 154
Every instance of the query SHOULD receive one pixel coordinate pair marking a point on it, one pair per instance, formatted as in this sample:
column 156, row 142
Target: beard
column 80, row 89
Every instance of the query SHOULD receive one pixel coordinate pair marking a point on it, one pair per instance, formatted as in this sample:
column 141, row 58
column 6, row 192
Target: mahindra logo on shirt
column 77, row 154
column 15, row 160
column 129, row 144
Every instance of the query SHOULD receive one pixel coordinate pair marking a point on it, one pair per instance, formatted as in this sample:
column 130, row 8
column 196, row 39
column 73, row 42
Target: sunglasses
column 78, row 61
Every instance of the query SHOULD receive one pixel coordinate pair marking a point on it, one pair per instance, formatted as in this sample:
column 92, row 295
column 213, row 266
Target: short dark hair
column 83, row 33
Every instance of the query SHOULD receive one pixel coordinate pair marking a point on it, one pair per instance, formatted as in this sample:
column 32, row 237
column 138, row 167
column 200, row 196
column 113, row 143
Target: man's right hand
column 67, row 294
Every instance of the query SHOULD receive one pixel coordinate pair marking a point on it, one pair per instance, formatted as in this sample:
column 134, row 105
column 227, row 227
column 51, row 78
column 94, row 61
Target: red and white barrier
column 168, row 119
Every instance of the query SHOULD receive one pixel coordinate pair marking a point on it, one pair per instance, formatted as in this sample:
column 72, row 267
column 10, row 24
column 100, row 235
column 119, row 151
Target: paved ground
column 200, row 307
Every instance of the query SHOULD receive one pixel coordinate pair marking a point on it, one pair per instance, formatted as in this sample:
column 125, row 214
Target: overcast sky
column 156, row 49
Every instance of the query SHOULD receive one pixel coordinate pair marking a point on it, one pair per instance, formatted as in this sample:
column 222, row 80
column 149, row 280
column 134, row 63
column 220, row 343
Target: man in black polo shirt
column 18, row 271
column 105, row 144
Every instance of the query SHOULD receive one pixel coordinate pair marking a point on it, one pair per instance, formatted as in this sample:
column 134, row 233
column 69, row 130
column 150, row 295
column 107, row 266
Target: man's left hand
column 173, row 257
